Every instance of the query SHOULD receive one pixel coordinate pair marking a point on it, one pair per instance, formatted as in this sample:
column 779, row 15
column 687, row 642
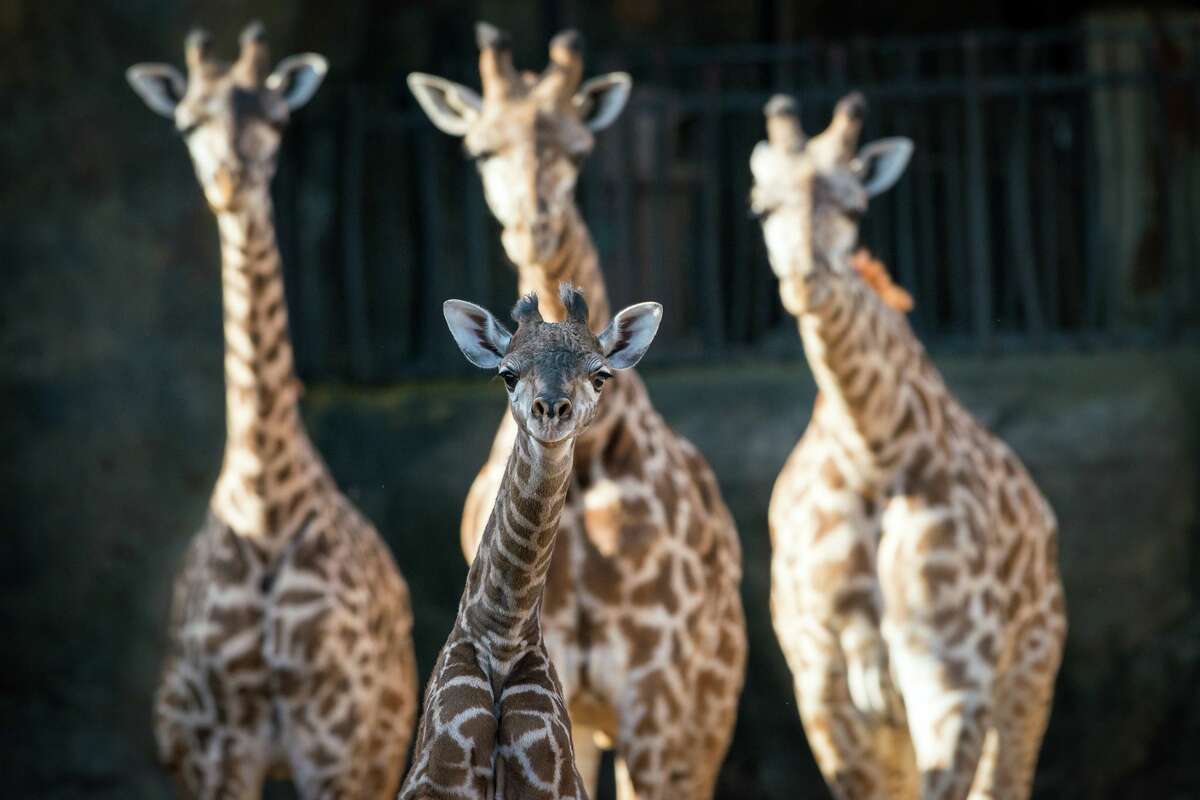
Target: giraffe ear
column 628, row 336
column 480, row 336
column 602, row 99
column 451, row 106
column 159, row 85
column 881, row 163
column 297, row 78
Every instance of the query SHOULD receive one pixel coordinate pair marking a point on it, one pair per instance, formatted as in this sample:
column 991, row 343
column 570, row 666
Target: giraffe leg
column 656, row 752
column 209, row 758
column 841, row 738
column 344, row 673
column 1024, row 694
column 949, row 715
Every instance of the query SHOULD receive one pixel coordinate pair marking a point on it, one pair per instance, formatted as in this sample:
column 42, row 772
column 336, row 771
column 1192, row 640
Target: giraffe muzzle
column 551, row 409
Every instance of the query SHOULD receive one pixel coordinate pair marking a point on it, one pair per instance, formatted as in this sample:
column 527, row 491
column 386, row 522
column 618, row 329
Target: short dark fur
column 574, row 303
column 526, row 309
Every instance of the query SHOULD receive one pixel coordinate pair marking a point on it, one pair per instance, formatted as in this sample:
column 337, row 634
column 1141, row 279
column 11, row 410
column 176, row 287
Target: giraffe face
column 554, row 372
column 811, row 193
column 529, row 157
column 231, row 116
column 529, row 135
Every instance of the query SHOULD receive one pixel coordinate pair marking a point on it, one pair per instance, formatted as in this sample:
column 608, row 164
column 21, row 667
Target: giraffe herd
column 914, row 577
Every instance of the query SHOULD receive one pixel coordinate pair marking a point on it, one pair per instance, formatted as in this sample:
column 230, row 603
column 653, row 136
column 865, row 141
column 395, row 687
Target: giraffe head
column 810, row 193
column 554, row 371
column 230, row 115
column 529, row 134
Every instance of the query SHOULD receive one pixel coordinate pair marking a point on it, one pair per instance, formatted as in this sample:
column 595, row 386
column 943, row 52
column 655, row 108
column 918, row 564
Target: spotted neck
column 576, row 262
column 865, row 357
column 269, row 464
column 502, row 601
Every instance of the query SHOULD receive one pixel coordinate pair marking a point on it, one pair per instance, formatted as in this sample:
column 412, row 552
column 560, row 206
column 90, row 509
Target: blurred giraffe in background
column 642, row 614
column 915, row 586
column 290, row 636
column 495, row 723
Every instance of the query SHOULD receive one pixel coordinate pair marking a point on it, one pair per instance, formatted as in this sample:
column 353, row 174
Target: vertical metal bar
column 395, row 258
column 1161, row 144
column 312, row 220
column 1020, row 226
column 930, row 254
column 429, row 205
column 1048, row 191
column 624, row 217
column 1094, row 233
column 745, row 262
column 977, row 200
column 906, row 258
column 958, row 273
column 357, row 323
column 710, row 242
column 475, row 228
column 657, row 197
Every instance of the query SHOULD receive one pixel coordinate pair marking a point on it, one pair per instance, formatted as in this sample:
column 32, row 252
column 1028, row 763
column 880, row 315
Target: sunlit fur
column 915, row 586
column 291, row 651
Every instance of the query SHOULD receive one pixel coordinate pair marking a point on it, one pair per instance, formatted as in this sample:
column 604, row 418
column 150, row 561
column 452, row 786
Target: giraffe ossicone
column 642, row 614
column 914, row 573
column 495, row 723
column 291, row 648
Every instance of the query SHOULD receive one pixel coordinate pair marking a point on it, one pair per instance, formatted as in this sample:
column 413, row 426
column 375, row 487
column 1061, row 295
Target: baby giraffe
column 495, row 724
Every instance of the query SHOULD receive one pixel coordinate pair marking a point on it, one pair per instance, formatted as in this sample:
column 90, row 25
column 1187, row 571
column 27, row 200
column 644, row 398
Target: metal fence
column 1054, row 196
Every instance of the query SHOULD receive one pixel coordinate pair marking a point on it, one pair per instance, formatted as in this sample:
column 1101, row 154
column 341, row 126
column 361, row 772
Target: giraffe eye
column 599, row 377
column 189, row 128
column 509, row 377
column 482, row 156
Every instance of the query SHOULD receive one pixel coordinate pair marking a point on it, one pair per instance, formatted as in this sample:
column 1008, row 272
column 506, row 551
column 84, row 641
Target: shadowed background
column 1068, row 143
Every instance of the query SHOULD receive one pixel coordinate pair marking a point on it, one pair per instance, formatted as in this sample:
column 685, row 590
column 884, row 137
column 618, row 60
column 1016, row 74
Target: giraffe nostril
column 551, row 408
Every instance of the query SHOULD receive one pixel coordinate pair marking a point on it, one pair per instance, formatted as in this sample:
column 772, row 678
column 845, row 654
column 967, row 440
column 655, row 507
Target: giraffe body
column 290, row 635
column 642, row 616
column 915, row 586
column 495, row 724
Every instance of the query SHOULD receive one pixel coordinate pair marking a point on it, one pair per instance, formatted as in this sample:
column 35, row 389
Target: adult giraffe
column 642, row 615
column 291, row 646
column 915, row 586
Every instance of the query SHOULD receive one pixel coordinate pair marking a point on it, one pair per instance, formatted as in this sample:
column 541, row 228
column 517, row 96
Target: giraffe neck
column 269, row 464
column 502, row 602
column 576, row 262
column 865, row 358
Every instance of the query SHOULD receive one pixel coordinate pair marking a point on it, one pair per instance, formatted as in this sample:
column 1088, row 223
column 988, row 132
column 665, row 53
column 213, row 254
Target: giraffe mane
column 875, row 274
